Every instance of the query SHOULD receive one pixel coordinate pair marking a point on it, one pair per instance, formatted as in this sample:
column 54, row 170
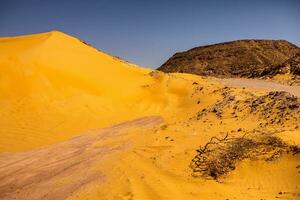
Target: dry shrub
column 219, row 156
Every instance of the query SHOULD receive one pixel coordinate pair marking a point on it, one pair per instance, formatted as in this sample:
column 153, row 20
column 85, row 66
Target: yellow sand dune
column 53, row 86
column 77, row 123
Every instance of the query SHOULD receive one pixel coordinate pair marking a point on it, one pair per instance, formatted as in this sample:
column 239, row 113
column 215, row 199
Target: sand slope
column 53, row 86
column 77, row 123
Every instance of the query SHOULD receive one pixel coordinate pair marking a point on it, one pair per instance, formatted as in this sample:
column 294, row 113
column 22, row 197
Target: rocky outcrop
column 242, row 58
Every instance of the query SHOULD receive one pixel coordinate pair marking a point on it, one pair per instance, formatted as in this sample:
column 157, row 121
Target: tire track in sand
column 57, row 171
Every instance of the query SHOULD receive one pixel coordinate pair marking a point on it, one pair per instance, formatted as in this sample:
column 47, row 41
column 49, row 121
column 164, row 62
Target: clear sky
column 149, row 32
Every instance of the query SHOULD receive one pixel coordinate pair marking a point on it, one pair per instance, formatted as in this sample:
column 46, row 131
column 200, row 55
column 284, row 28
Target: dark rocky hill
column 241, row 58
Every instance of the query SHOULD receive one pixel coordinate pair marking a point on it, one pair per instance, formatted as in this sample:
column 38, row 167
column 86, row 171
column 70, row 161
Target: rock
column 241, row 58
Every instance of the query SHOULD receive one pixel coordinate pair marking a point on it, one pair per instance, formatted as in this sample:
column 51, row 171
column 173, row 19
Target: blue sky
column 149, row 32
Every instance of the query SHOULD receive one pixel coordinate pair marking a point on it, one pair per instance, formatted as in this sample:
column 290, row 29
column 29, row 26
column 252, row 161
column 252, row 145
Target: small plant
column 219, row 156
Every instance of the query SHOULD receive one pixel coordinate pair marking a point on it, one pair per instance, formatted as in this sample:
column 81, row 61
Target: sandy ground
column 54, row 90
column 40, row 173
column 260, row 85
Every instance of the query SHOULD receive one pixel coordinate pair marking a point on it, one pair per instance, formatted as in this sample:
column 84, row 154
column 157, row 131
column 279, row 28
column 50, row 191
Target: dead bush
column 219, row 156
